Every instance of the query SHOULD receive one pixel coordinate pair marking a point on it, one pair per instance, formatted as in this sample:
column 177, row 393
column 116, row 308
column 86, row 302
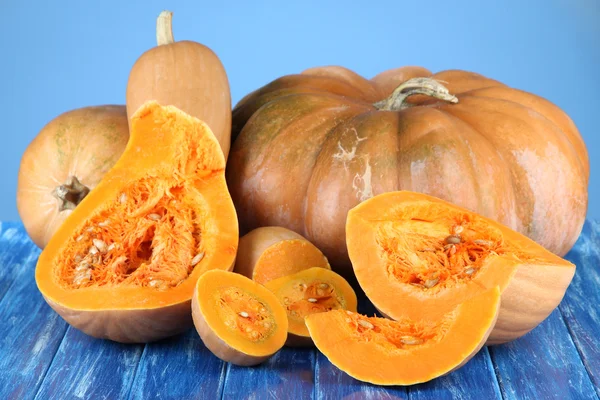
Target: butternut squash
column 124, row 263
column 239, row 320
column 418, row 256
column 273, row 252
column 310, row 291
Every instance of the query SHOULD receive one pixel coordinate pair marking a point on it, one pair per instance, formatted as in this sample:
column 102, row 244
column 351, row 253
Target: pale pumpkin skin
column 311, row 146
column 184, row 74
column 83, row 143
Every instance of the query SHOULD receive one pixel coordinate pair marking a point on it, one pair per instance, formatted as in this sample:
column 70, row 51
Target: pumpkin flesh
column 238, row 319
column 416, row 255
column 310, row 291
column 137, row 244
column 406, row 351
column 273, row 252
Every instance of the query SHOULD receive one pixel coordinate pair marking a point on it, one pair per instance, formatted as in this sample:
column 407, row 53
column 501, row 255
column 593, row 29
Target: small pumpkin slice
column 271, row 252
column 124, row 264
column 313, row 290
column 418, row 256
column 239, row 320
column 407, row 351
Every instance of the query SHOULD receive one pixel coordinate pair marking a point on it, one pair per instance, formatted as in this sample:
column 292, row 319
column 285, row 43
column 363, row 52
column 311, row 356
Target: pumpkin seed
column 93, row 250
column 453, row 239
column 312, row 300
column 100, row 245
column 197, row 258
column 452, row 250
column 323, row 285
column 469, row 271
column 154, row 217
column 79, row 238
column 244, row 314
column 122, row 198
column 429, row 283
column 266, row 324
column 482, row 242
column 365, row 324
column 104, row 223
column 458, row 229
column 411, row 340
column 111, row 246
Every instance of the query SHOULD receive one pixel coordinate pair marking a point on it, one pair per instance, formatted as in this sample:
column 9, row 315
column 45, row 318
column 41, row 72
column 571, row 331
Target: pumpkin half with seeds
column 340, row 139
column 310, row 291
column 409, row 350
column 238, row 319
column 124, row 264
column 418, row 256
column 64, row 162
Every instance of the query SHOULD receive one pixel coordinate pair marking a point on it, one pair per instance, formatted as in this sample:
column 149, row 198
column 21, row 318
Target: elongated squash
column 310, row 291
column 407, row 351
column 239, row 320
column 271, row 252
column 418, row 256
column 124, row 264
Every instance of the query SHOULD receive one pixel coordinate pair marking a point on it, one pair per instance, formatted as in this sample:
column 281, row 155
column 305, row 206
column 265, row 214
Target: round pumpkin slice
column 407, row 351
column 271, row 252
column 124, row 263
column 239, row 320
column 313, row 290
column 419, row 256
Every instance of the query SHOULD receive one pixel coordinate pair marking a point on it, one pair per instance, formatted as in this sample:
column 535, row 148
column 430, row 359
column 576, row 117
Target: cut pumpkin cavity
column 313, row 290
column 123, row 265
column 417, row 256
column 239, row 320
column 406, row 351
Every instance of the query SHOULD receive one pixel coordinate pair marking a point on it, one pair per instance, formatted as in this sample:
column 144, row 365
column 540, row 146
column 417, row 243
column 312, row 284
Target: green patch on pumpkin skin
column 60, row 141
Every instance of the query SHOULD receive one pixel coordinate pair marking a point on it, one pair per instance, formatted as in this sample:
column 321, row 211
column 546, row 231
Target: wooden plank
column 288, row 374
column 15, row 248
column 30, row 331
column 89, row 368
column 581, row 305
column 476, row 380
column 544, row 364
column 177, row 368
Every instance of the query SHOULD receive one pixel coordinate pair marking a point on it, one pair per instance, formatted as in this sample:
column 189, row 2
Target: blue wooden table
column 42, row 357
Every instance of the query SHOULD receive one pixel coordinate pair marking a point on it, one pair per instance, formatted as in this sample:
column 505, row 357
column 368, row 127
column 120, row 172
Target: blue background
column 58, row 57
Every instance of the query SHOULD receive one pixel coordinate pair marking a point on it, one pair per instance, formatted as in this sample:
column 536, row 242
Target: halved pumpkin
column 407, row 351
column 239, row 320
column 418, row 256
column 124, row 264
column 271, row 252
column 310, row 291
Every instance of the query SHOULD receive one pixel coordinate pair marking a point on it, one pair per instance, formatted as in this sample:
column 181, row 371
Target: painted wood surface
column 41, row 357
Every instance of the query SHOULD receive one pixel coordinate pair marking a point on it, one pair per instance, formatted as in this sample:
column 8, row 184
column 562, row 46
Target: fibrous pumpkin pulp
column 124, row 264
column 417, row 256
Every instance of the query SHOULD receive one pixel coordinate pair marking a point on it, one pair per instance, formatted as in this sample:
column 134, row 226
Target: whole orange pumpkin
column 311, row 146
column 64, row 162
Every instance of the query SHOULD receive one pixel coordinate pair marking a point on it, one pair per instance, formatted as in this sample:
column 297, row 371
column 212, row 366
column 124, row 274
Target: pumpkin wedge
column 64, row 162
column 310, row 291
column 184, row 74
column 239, row 320
column 404, row 352
column 124, row 264
column 272, row 252
column 419, row 256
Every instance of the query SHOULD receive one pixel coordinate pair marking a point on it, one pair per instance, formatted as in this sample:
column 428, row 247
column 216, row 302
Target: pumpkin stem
column 70, row 193
column 427, row 86
column 164, row 28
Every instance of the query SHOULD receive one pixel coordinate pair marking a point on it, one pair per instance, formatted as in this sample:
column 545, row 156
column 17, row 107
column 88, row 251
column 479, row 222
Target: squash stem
column 164, row 28
column 426, row 86
column 70, row 193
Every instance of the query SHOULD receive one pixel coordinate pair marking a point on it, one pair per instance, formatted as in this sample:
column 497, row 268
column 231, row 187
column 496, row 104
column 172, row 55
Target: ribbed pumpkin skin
column 311, row 146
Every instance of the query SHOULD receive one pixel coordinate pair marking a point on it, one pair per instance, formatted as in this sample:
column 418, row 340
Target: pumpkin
column 419, row 256
column 307, row 292
column 406, row 351
column 64, row 162
column 311, row 146
column 239, row 320
column 185, row 74
column 124, row 264
column 272, row 252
